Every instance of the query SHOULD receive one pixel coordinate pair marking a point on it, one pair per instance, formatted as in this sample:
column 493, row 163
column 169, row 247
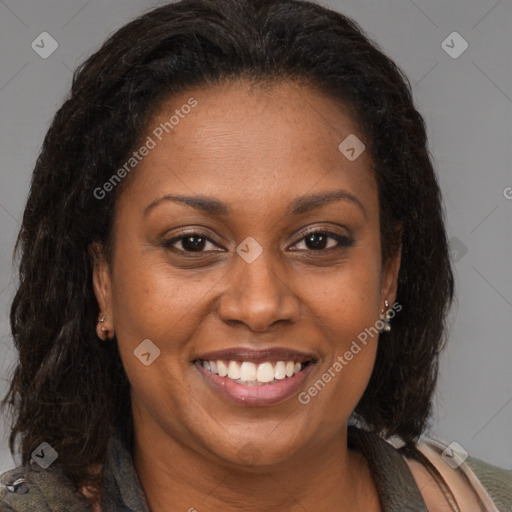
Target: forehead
column 241, row 143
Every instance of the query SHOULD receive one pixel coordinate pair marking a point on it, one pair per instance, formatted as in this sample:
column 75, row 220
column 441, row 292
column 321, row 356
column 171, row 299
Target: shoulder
column 471, row 480
column 31, row 488
column 495, row 480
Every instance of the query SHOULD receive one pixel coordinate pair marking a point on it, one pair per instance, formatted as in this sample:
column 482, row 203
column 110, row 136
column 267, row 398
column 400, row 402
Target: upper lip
column 257, row 356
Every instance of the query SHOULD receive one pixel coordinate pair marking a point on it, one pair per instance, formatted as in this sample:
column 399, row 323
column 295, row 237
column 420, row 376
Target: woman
column 234, row 278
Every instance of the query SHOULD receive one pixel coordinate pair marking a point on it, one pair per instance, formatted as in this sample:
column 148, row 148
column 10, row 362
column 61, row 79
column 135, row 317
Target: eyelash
column 343, row 241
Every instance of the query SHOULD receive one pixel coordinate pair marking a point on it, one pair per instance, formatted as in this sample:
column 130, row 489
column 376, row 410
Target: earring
column 386, row 317
column 101, row 330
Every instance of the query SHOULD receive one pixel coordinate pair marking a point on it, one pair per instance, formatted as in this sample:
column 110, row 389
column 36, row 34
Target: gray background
column 467, row 104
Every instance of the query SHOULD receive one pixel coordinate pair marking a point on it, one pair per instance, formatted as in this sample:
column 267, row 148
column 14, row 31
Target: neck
column 322, row 477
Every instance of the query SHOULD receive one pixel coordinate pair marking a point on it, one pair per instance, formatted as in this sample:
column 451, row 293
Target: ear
column 101, row 279
column 389, row 280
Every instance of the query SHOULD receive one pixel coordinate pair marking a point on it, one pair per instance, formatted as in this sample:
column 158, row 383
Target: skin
column 256, row 149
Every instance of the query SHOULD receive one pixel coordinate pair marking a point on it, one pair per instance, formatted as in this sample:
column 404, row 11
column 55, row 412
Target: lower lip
column 266, row 394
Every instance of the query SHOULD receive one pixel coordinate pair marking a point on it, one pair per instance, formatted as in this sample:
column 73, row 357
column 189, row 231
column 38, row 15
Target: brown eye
column 322, row 240
column 316, row 241
column 193, row 242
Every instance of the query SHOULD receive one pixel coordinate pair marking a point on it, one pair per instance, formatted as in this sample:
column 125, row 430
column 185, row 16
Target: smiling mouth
column 248, row 373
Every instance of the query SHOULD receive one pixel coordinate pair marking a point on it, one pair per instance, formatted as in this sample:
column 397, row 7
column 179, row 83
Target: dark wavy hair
column 70, row 389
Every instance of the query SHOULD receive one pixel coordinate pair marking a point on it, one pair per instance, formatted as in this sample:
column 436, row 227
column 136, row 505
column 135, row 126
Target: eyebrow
column 203, row 203
column 306, row 203
column 298, row 206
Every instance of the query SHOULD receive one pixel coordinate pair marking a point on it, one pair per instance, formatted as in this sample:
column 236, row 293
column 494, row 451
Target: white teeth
column 222, row 369
column 280, row 370
column 234, row 370
column 250, row 373
column 265, row 372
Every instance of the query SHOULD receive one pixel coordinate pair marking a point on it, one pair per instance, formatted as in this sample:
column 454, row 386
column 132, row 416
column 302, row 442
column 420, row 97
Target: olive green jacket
column 35, row 489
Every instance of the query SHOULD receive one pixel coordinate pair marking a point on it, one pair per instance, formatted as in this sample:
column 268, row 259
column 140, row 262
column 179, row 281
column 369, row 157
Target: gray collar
column 396, row 486
column 122, row 489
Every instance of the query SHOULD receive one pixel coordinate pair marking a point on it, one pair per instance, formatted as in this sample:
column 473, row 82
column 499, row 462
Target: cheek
column 345, row 306
column 345, row 299
column 152, row 300
column 151, row 303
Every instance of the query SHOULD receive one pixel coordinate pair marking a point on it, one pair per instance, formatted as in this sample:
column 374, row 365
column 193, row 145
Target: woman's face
column 270, row 250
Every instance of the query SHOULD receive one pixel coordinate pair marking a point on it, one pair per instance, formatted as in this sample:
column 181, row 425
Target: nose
column 258, row 296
